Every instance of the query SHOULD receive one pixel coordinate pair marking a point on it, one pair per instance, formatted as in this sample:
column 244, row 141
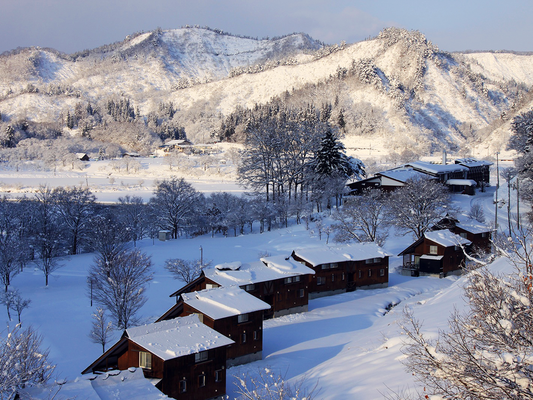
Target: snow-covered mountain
column 397, row 89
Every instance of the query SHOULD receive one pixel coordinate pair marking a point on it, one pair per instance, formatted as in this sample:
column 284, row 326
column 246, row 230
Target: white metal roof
column 177, row 337
column 268, row 269
column 446, row 238
column 355, row 252
column 224, row 302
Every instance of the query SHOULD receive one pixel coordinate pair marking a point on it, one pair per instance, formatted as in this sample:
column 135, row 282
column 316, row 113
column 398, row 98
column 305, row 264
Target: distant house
column 362, row 265
column 386, row 180
column 278, row 281
column 478, row 170
column 82, row 156
column 442, row 172
column 435, row 253
column 479, row 234
column 185, row 357
column 463, row 176
column 179, row 145
column 231, row 311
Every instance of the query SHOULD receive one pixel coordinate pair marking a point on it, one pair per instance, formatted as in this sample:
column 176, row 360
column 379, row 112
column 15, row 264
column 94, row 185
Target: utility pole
column 201, row 257
column 497, row 187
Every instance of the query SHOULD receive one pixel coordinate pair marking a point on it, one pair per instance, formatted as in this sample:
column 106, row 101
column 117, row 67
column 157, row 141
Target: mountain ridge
column 400, row 80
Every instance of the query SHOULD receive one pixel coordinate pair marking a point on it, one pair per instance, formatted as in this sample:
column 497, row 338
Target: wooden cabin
column 279, row 282
column 185, row 357
column 479, row 234
column 436, row 253
column 231, row 311
column 362, row 265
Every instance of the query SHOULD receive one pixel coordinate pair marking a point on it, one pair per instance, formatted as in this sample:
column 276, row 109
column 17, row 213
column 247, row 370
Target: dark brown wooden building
column 278, row 281
column 438, row 252
column 187, row 357
column 231, row 311
column 362, row 265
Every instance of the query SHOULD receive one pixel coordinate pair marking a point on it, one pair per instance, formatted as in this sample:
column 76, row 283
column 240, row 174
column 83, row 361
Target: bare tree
column 102, row 329
column 476, row 213
column 118, row 285
column 419, row 205
column 14, row 302
column 268, row 385
column 363, row 218
column 75, row 206
column 48, row 233
column 12, row 244
column 486, row 353
column 22, row 362
column 174, row 202
column 185, row 270
column 134, row 216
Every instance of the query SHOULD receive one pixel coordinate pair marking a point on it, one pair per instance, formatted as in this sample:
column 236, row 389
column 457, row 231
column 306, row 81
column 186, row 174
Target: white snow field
column 348, row 344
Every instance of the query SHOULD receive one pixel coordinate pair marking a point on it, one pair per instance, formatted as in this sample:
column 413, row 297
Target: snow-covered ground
column 348, row 344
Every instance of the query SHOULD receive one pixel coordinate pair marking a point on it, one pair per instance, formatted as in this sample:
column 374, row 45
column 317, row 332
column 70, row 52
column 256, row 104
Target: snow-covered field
column 348, row 344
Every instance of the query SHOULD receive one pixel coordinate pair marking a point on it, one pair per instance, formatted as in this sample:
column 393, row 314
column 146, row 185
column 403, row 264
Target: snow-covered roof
column 472, row 162
column 436, row 168
column 268, row 269
column 356, row 252
column 402, row 174
column 474, row 227
column 223, row 302
column 461, row 182
column 430, row 257
column 446, row 238
column 127, row 384
column 177, row 337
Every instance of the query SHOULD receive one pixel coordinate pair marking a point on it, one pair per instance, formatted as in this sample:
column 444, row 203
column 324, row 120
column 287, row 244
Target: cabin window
column 325, row 266
column 201, row 380
column 343, row 276
column 183, row 386
column 360, row 274
column 256, row 335
column 201, row 356
column 320, row 280
column 332, row 277
column 250, row 287
column 145, row 360
column 334, row 265
column 369, row 272
column 463, row 235
column 287, row 280
column 296, row 278
column 218, row 375
column 243, row 337
column 301, row 292
column 382, row 272
column 242, row 318
column 433, row 250
column 484, row 235
column 457, row 248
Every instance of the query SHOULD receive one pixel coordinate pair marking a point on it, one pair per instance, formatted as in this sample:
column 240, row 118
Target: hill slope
column 397, row 88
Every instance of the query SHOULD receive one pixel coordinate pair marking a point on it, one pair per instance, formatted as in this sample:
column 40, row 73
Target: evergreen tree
column 331, row 159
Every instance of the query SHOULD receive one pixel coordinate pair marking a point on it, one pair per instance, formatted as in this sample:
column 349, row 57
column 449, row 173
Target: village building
column 463, row 176
column 478, row 170
column 437, row 252
column 386, row 180
column 278, row 281
column 128, row 384
column 185, row 358
column 359, row 266
column 231, row 311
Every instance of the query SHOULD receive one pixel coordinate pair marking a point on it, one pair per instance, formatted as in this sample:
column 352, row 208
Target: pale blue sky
column 453, row 25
